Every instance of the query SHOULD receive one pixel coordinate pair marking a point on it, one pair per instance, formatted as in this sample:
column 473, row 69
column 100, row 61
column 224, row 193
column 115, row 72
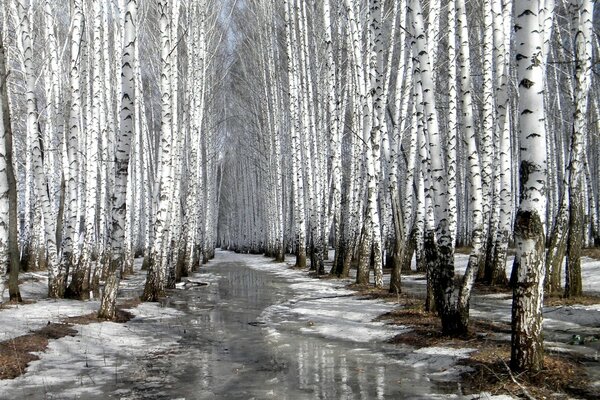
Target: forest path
column 243, row 327
column 259, row 330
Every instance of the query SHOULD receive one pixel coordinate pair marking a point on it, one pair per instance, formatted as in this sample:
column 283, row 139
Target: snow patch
column 77, row 367
column 19, row 319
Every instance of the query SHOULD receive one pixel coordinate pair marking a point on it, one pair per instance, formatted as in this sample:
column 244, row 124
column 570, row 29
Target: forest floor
column 375, row 345
column 571, row 330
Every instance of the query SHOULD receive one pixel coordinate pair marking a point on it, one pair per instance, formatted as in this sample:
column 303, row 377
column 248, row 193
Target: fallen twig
column 512, row 377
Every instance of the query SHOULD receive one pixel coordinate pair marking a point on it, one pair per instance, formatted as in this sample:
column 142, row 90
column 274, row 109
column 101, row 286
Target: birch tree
column 156, row 279
column 438, row 238
column 56, row 276
column 583, row 72
column 123, row 148
column 89, row 261
column 297, row 180
column 72, row 165
column 9, row 241
column 526, row 339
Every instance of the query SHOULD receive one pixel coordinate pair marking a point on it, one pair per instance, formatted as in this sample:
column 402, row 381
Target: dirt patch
column 9, row 304
column 587, row 300
column 326, row 277
column 17, row 353
column 369, row 292
column 592, row 252
column 492, row 289
column 122, row 315
column 129, row 303
column 562, row 377
column 463, row 250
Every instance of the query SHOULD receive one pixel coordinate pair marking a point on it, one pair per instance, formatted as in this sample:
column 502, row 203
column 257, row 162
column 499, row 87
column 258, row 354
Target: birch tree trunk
column 583, row 78
column 123, row 148
column 475, row 176
column 364, row 101
column 526, row 340
column 297, row 180
column 72, row 170
column 55, row 273
column 334, row 126
column 502, row 16
column 9, row 239
column 378, row 130
column 90, row 261
column 156, row 279
column 439, row 242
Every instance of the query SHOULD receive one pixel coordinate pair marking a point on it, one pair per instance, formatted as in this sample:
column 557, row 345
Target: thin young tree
column 583, row 77
column 123, row 149
column 156, row 279
column 39, row 173
column 9, row 240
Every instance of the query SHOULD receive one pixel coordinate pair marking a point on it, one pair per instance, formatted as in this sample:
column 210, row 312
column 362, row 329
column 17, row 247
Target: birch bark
column 123, row 149
column 9, row 240
column 156, row 279
column 583, row 78
column 55, row 274
column 526, row 341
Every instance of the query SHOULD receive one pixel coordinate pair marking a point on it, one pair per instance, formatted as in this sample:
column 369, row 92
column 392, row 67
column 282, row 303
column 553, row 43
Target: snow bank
column 20, row 319
column 78, row 367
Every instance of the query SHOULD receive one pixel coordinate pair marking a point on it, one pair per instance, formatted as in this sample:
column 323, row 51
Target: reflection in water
column 228, row 350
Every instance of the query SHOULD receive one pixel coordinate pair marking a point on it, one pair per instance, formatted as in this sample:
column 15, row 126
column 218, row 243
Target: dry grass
column 562, row 377
column 586, row 300
column 17, row 353
column 592, row 252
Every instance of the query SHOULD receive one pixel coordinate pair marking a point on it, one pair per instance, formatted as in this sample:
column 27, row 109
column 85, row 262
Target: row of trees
column 393, row 129
column 109, row 141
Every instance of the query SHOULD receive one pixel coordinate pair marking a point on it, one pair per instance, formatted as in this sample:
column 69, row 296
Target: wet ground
column 229, row 349
column 247, row 328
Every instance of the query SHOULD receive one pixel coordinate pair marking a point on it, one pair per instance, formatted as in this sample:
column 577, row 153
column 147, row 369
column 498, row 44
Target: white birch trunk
column 9, row 240
column 583, row 78
column 123, row 149
column 72, row 170
column 439, row 244
column 297, row 179
column 527, row 344
column 39, row 173
column 156, row 279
